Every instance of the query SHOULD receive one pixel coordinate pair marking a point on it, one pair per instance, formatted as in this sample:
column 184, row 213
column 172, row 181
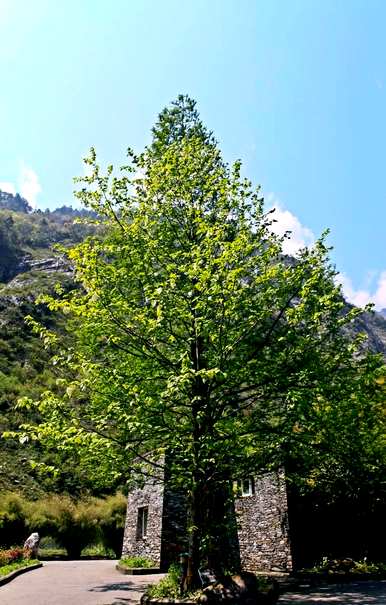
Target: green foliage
column 100, row 551
column 11, row 555
column 136, row 562
column 33, row 234
column 48, row 547
column 167, row 586
column 26, row 239
column 6, row 569
column 196, row 333
column 13, row 523
column 72, row 524
column 347, row 566
column 111, row 514
column 367, row 567
column 9, row 253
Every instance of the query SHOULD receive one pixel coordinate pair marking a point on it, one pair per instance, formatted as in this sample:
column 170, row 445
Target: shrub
column 49, row 547
column 347, row 566
column 98, row 550
column 370, row 568
column 12, row 555
column 136, row 562
column 167, row 586
column 41, row 517
column 12, row 519
column 72, row 524
column 111, row 514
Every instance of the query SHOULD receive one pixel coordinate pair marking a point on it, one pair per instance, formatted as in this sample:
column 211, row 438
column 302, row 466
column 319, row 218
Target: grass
column 136, row 562
column 6, row 569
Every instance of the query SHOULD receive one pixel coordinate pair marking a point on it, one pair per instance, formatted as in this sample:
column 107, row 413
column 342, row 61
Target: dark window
column 143, row 513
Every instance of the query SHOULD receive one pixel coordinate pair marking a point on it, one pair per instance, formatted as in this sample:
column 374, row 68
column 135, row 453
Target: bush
column 136, row 562
column 41, row 517
column 167, row 586
column 12, row 555
column 347, row 566
column 98, row 550
column 49, row 547
column 14, row 558
column 370, row 568
column 13, row 523
column 111, row 514
column 72, row 524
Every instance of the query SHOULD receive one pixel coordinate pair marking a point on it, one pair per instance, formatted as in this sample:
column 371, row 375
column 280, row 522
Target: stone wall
column 151, row 496
column 262, row 524
column 262, row 520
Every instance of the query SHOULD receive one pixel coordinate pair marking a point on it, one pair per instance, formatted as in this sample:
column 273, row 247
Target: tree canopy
column 193, row 333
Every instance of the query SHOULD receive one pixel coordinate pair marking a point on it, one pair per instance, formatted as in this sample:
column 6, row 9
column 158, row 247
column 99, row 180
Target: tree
column 194, row 334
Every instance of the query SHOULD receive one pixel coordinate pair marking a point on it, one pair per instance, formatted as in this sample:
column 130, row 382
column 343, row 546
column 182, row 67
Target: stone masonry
column 149, row 546
column 262, row 520
column 262, row 524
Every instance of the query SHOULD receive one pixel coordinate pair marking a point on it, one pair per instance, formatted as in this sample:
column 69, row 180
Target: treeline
column 31, row 236
column 73, row 524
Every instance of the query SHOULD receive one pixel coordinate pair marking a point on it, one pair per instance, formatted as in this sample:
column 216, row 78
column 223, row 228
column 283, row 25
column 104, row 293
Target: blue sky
column 296, row 89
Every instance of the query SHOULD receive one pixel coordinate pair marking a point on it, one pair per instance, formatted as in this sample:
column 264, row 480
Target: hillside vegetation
column 29, row 266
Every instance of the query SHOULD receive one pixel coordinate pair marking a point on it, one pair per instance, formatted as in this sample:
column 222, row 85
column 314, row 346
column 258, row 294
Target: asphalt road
column 359, row 593
column 75, row 583
column 98, row 583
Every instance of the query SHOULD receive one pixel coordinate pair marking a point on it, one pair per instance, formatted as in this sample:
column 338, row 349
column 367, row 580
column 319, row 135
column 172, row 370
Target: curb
column 18, row 572
column 137, row 571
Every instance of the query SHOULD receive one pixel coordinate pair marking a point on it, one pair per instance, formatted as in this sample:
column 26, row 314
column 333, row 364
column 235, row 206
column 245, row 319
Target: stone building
column 156, row 523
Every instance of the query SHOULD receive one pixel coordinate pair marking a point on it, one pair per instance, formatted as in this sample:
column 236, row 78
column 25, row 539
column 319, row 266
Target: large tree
column 195, row 334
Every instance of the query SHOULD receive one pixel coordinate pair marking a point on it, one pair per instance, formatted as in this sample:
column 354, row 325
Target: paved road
column 98, row 583
column 359, row 593
column 75, row 583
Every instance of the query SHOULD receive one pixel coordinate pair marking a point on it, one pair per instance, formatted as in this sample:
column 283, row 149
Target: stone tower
column 156, row 523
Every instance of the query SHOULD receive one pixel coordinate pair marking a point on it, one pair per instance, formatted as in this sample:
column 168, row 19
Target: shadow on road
column 365, row 593
column 116, row 586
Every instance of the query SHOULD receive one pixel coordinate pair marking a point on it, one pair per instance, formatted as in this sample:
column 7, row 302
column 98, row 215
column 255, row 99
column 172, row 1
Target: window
column 245, row 487
column 143, row 513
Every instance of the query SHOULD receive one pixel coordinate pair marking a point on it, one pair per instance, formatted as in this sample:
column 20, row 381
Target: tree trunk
column 195, row 533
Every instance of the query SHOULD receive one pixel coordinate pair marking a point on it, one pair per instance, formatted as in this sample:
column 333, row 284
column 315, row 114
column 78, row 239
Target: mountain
column 383, row 313
column 8, row 201
column 30, row 265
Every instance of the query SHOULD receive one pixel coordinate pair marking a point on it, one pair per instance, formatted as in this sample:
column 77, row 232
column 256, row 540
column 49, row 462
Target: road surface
column 359, row 593
column 98, row 583
column 75, row 583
